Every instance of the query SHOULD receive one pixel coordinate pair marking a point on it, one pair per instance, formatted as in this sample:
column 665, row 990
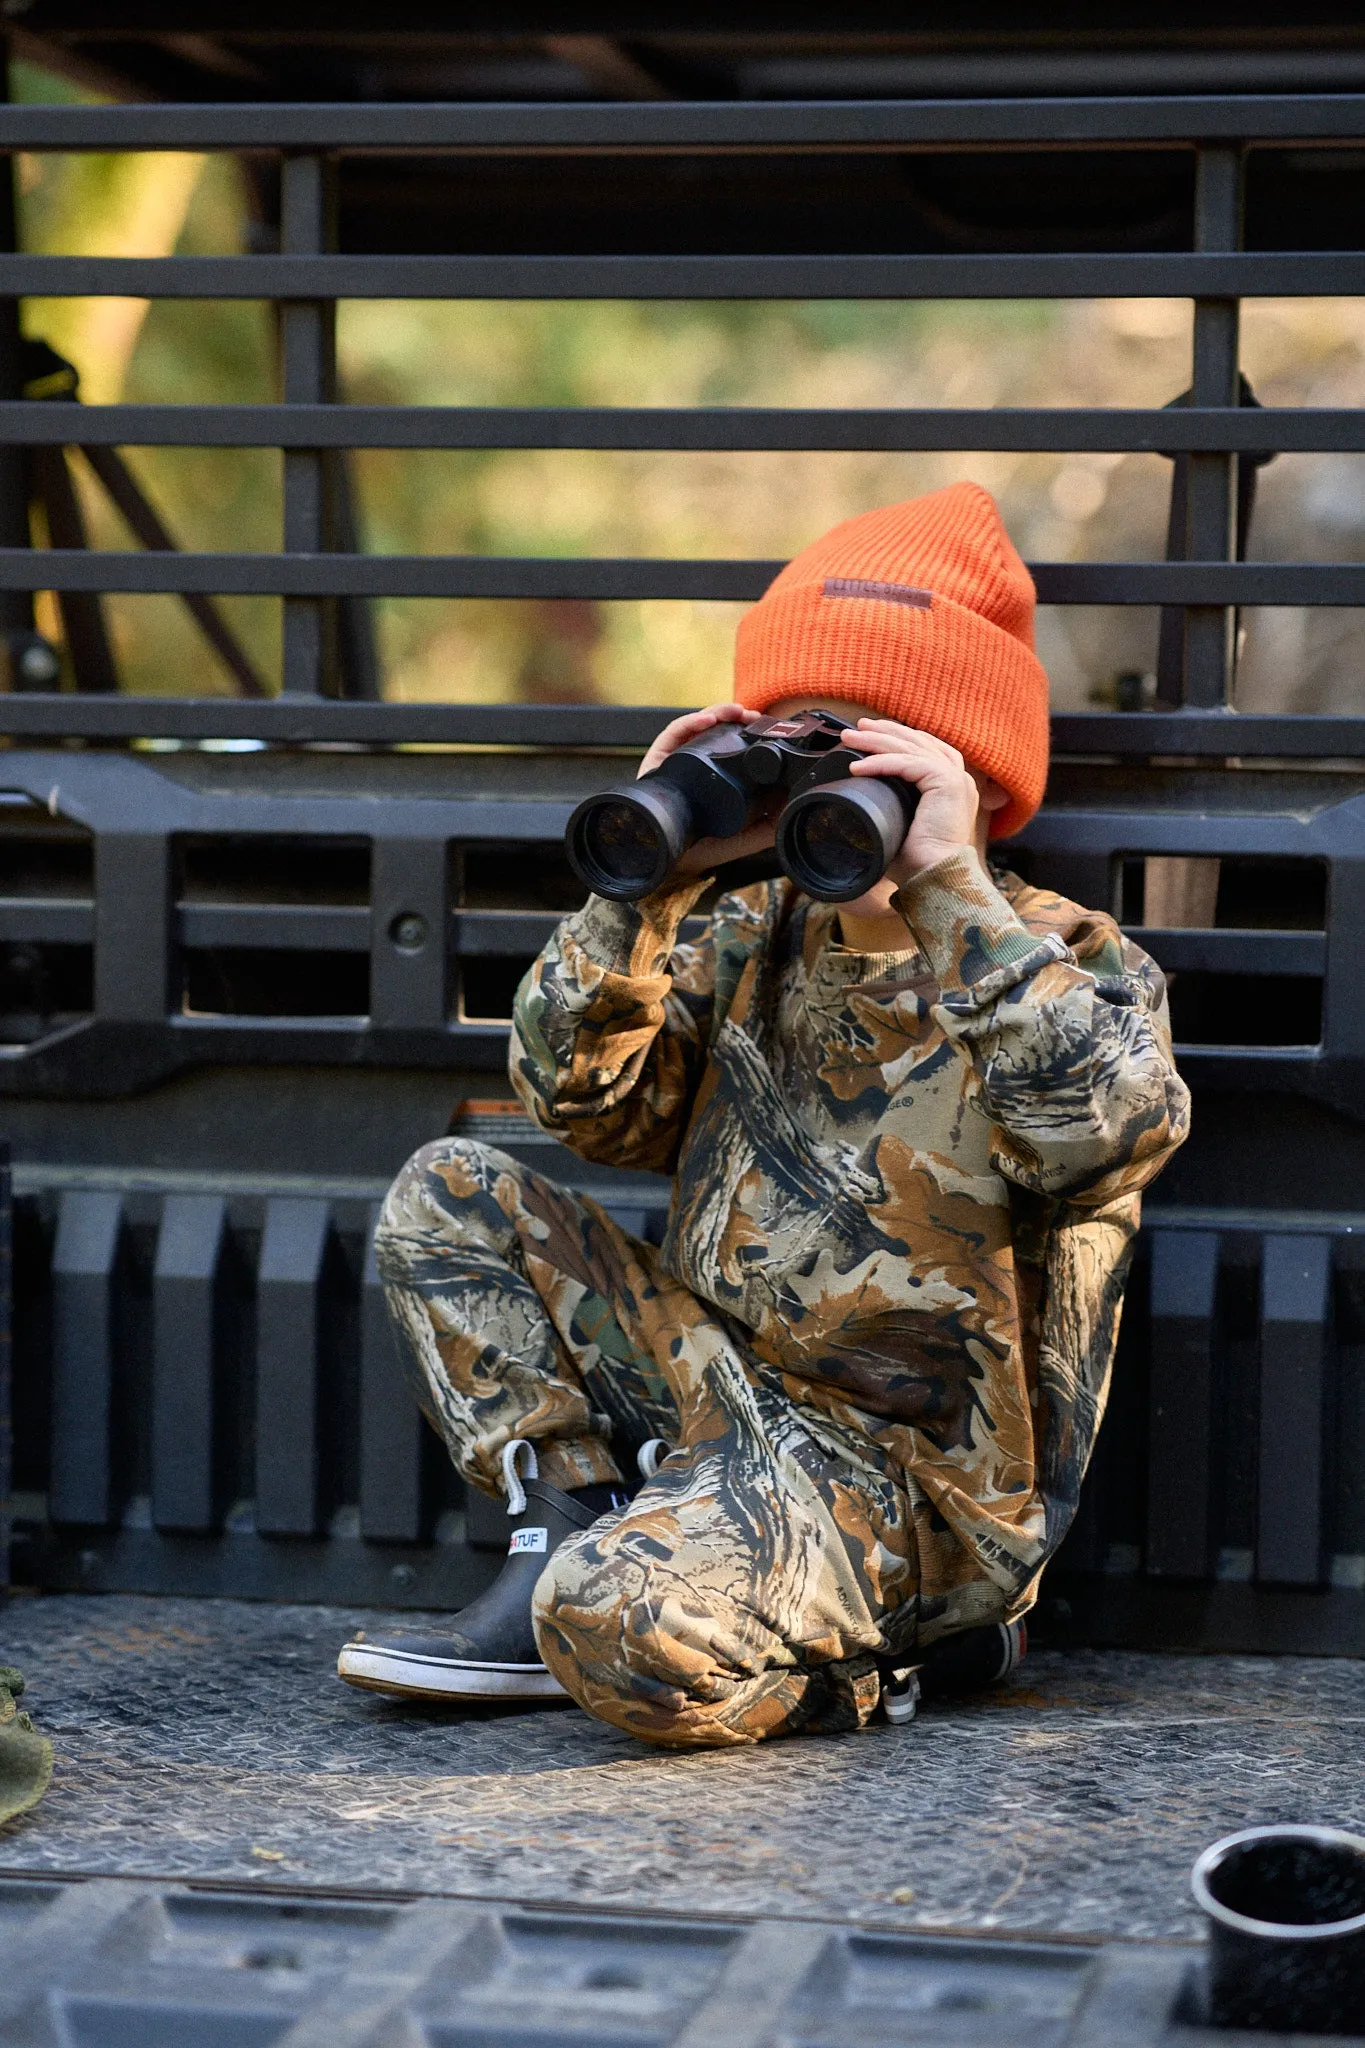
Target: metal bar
column 84, row 1274
column 401, row 127
column 132, row 925
column 236, row 1036
column 309, row 575
column 16, row 607
column 1343, row 1024
column 390, row 1422
column 1121, row 735
column 509, row 934
column 303, row 927
column 1328, row 273
column 1211, row 488
column 1296, row 1277
column 308, row 366
column 6, row 1361
column 683, row 429
column 357, row 652
column 146, row 522
column 185, row 1426
column 1234, row 952
column 41, row 921
column 631, row 578
column 82, row 612
column 288, row 1305
column 1208, row 735
column 749, row 1999
column 1180, row 1404
column 409, row 927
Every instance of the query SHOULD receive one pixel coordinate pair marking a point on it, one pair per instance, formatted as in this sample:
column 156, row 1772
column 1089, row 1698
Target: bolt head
column 39, row 663
column 409, row 931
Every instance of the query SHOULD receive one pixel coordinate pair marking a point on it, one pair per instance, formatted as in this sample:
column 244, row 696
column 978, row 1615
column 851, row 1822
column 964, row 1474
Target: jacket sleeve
column 610, row 1029
column 1070, row 1063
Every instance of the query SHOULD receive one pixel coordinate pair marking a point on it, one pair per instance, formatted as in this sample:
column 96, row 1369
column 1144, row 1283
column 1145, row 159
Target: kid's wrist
column 966, row 929
column 934, row 855
column 635, row 938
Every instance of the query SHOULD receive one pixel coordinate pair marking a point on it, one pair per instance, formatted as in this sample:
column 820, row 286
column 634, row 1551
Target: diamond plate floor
column 210, row 1739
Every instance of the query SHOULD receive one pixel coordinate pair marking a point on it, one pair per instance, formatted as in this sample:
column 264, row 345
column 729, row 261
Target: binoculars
column 835, row 835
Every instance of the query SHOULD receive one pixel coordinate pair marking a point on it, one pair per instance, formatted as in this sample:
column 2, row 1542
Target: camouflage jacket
column 909, row 1181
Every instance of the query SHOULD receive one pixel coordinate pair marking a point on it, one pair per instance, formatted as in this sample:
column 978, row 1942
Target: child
column 908, row 1136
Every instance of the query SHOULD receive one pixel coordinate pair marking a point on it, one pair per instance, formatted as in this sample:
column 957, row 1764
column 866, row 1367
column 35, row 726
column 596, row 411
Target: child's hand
column 708, row 854
column 949, row 798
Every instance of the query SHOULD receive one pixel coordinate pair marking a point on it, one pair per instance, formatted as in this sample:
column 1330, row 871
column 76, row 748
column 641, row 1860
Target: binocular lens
column 836, row 847
column 836, row 841
column 624, row 841
column 619, row 846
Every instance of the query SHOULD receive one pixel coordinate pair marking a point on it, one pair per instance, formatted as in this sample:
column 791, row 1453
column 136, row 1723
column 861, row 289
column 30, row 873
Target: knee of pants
column 633, row 1644
column 409, row 1197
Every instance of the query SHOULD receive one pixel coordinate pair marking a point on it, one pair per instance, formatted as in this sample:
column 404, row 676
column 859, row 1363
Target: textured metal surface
column 886, row 124
column 207, row 1739
column 1173, row 274
column 1135, row 736
column 104, row 1964
column 629, row 578
column 56, row 422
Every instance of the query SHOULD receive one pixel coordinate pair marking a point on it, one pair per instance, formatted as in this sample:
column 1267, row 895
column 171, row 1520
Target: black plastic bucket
column 1286, row 1908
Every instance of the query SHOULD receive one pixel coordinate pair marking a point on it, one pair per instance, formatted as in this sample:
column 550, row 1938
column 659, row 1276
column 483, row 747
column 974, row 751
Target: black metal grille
column 208, row 1084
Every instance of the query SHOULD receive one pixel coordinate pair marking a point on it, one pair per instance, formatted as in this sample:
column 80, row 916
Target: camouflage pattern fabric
column 906, row 1189
column 743, row 1591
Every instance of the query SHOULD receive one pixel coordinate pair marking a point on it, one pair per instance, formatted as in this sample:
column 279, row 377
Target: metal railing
column 306, row 278
column 141, row 1231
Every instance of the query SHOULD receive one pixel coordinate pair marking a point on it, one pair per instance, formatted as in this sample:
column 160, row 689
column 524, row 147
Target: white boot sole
column 441, row 1678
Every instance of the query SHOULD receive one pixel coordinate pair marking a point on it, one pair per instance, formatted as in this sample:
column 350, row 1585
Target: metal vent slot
column 267, row 868
column 43, row 988
column 534, row 876
column 266, row 981
column 274, row 926
column 1245, row 892
column 1245, row 1009
column 47, row 887
column 488, row 985
column 41, row 855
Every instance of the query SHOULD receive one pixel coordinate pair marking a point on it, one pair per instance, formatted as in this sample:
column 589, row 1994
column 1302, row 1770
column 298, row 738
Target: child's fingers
column 885, row 731
column 914, row 767
column 692, row 723
column 884, row 734
column 879, row 745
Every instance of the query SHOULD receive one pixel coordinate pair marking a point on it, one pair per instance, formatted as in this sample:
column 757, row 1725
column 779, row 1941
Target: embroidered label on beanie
column 890, row 593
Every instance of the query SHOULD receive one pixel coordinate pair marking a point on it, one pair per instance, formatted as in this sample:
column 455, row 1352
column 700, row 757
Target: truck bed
column 211, row 1740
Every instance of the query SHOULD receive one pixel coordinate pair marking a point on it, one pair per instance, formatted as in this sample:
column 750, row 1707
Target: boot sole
column 422, row 1678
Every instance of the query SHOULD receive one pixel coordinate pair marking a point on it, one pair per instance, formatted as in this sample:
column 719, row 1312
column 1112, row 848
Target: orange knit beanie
column 924, row 613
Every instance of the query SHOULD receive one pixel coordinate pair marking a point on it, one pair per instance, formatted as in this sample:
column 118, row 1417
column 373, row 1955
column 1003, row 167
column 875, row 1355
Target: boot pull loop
column 511, row 1478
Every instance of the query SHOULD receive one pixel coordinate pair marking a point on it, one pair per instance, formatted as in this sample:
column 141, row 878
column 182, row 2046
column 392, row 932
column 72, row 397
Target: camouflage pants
column 743, row 1591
